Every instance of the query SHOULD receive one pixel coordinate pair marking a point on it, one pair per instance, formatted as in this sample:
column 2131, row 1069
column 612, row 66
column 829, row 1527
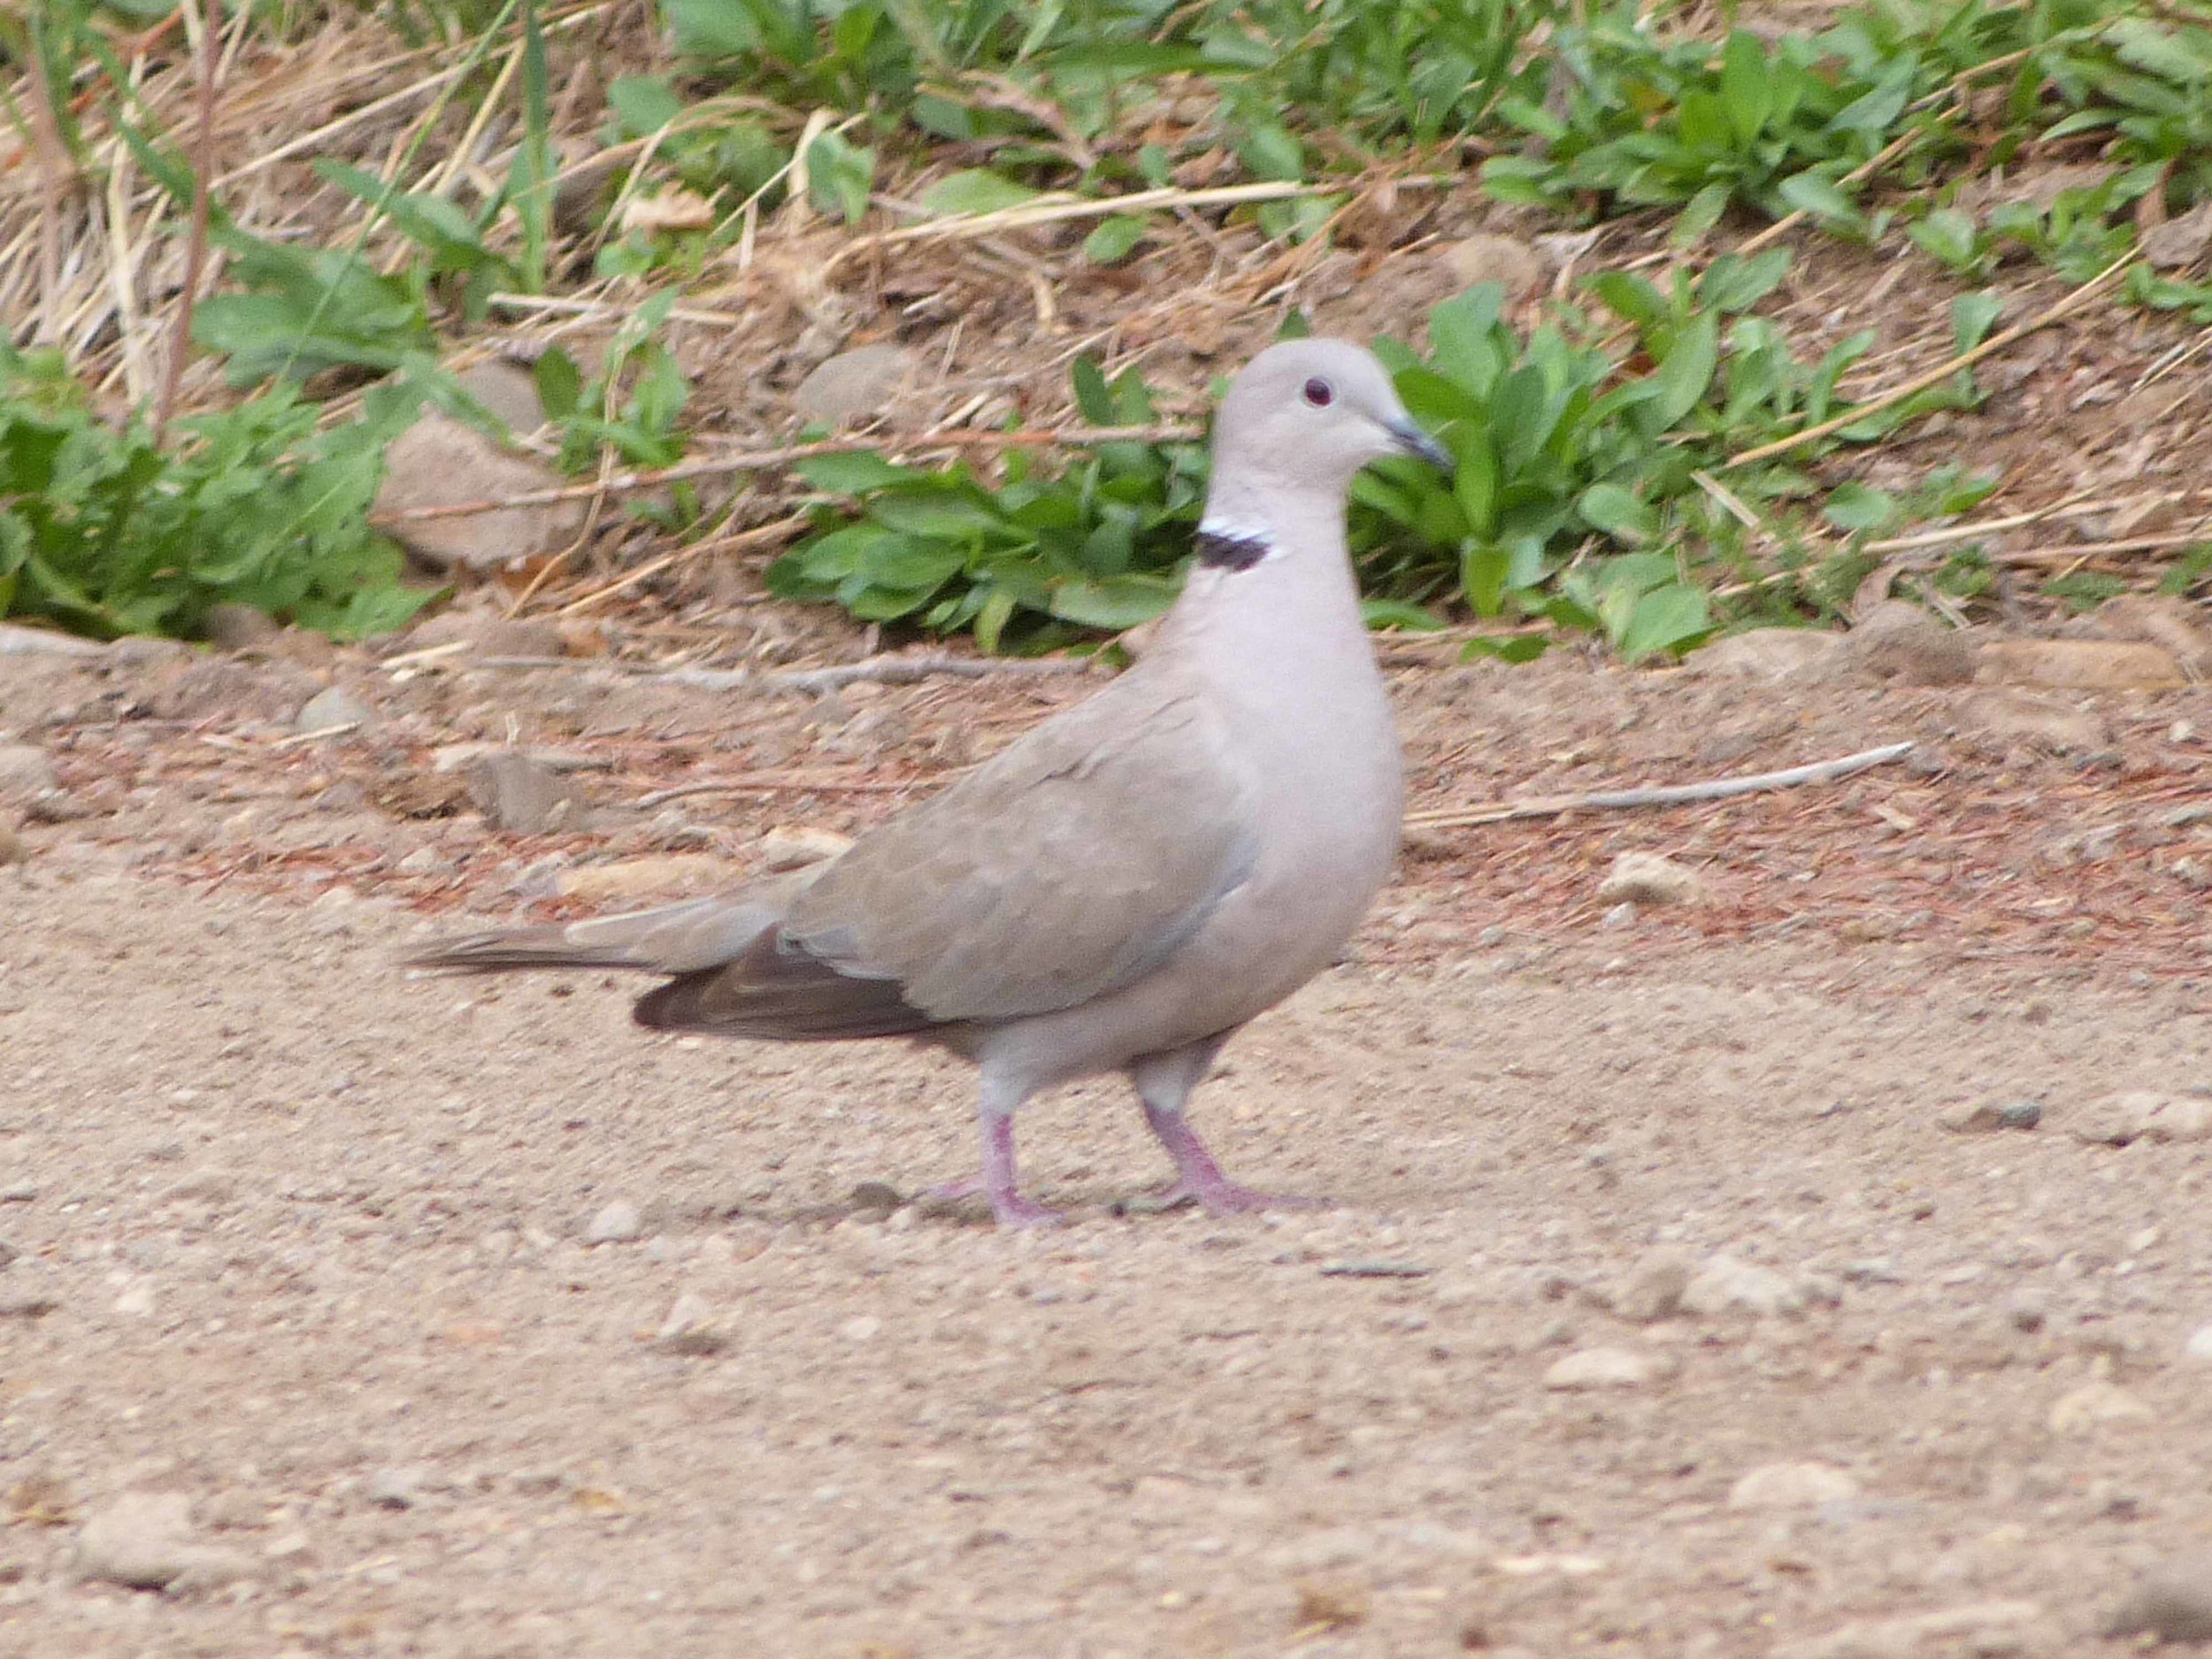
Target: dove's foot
column 996, row 1182
column 1010, row 1208
column 1218, row 1197
column 1199, row 1180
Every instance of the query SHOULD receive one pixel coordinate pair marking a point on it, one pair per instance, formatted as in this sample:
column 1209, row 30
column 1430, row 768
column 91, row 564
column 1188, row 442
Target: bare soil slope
column 308, row 1241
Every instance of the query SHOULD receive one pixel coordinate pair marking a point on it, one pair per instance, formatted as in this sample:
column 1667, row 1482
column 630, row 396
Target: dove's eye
column 1319, row 392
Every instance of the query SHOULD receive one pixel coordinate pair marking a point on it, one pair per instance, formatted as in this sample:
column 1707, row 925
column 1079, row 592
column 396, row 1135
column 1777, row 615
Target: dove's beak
column 1412, row 440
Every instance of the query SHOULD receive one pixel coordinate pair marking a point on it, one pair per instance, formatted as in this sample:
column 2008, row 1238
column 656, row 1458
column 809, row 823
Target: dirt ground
column 307, row 1240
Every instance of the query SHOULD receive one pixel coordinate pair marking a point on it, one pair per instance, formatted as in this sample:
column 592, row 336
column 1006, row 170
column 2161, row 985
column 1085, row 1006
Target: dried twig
column 1668, row 795
column 2043, row 318
column 774, row 783
column 880, row 671
column 53, row 163
column 759, row 535
column 195, row 245
column 1053, row 210
column 763, row 460
column 877, row 670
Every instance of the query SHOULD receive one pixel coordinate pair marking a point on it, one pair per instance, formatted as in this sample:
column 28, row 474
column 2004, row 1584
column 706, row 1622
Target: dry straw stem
column 2044, row 319
column 210, row 24
column 742, row 541
column 1890, row 151
column 765, row 460
column 1668, row 795
column 775, row 783
column 1052, row 210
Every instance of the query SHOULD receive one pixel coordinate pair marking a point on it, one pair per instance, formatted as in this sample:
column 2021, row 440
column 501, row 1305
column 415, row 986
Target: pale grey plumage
column 1132, row 881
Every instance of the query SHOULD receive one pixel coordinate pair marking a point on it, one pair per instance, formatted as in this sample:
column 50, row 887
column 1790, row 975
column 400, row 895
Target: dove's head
column 1312, row 412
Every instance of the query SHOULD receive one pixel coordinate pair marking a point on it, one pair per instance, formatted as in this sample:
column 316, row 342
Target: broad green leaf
column 1617, row 512
column 1114, row 239
column 1972, row 316
column 1475, row 482
column 1854, row 506
column 1484, row 567
column 1400, row 615
column 560, row 383
column 710, row 28
column 852, row 474
column 1506, row 648
column 976, row 190
column 1663, row 620
column 643, row 104
column 1746, row 88
column 1817, row 195
column 1093, row 396
column 1687, row 371
column 1116, row 602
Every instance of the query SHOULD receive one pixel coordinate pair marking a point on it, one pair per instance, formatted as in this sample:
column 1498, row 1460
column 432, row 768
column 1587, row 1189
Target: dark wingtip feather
column 512, row 950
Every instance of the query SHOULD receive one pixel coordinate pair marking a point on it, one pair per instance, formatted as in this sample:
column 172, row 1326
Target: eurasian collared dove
column 1131, row 881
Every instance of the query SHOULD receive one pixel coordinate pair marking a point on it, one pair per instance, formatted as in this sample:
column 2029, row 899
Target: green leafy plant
column 107, row 534
column 1581, row 492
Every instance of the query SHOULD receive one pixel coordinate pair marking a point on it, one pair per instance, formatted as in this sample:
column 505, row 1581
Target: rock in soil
column 2097, row 1405
column 25, row 771
column 690, row 1329
column 1984, row 1116
column 1650, row 879
column 1652, row 1290
column 854, row 384
column 1899, row 644
column 2172, row 1603
column 1602, row 1368
column 617, row 1222
column 795, row 846
column 2080, row 664
column 1725, row 1285
column 2144, row 1115
column 14, row 848
column 1792, row 1487
column 1776, row 655
column 235, row 627
column 522, row 796
column 1506, row 260
column 439, row 462
column 143, row 1540
column 333, row 709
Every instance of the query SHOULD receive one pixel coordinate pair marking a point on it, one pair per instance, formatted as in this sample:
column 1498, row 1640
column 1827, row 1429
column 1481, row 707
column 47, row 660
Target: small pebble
column 2200, row 1344
column 395, row 1488
column 142, row 1540
column 1792, row 1487
column 1725, row 1285
column 1981, row 1117
column 1602, row 1368
column 878, row 1198
column 2096, row 1405
column 333, row 709
column 689, row 1328
column 1652, row 1290
column 1650, row 879
column 617, row 1222
column 25, row 771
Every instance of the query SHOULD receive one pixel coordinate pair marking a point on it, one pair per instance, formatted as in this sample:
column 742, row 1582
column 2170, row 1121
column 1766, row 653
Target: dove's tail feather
column 692, row 937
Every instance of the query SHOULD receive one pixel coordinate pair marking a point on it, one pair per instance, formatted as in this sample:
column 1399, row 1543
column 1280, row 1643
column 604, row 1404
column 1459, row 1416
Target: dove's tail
column 672, row 939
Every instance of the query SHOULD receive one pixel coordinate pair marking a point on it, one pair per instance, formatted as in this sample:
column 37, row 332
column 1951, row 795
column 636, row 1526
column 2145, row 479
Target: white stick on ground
column 1667, row 794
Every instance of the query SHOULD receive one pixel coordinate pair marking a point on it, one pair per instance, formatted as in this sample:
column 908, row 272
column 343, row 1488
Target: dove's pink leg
column 1164, row 1083
column 997, row 1182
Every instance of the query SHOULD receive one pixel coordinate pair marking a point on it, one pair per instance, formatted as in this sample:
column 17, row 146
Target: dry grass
column 2096, row 416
